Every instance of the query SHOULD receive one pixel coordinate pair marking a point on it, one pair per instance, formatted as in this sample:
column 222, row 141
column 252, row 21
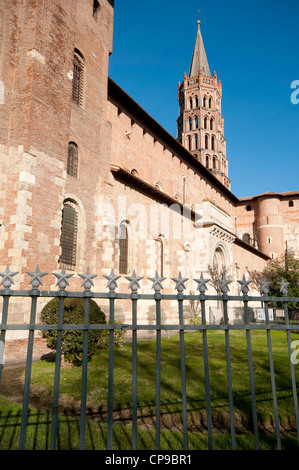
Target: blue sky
column 254, row 48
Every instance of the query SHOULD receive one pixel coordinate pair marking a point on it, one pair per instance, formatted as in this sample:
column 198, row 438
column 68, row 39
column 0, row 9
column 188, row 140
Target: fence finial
column 36, row 278
column 283, row 286
column 224, row 284
column 244, row 285
column 7, row 276
column 111, row 284
column 202, row 284
column 134, row 281
column 265, row 286
column 87, row 279
column 62, row 279
column 157, row 282
column 180, row 282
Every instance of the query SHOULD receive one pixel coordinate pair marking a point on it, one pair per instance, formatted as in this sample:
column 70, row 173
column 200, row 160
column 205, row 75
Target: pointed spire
column 199, row 60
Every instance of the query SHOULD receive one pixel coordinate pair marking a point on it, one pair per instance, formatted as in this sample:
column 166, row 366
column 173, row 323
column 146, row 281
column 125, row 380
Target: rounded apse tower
column 270, row 225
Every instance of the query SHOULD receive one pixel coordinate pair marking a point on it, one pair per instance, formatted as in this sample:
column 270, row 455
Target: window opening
column 68, row 240
column 123, row 249
column 78, row 76
column 72, row 161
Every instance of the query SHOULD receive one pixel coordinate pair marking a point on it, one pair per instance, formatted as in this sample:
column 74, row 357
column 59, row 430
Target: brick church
column 89, row 179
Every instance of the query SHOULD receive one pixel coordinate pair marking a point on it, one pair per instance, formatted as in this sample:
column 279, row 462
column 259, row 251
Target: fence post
column 62, row 283
column 202, row 286
column 7, row 281
column 34, row 294
column 112, row 285
column 224, row 289
column 245, row 290
column 87, row 284
column 284, row 291
column 180, row 287
column 134, row 285
column 265, row 290
column 157, row 286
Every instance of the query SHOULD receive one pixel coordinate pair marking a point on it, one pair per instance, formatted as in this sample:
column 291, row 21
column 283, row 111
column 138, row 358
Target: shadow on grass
column 39, row 431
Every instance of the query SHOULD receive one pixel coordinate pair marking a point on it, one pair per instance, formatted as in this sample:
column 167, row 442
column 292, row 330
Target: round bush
column 72, row 340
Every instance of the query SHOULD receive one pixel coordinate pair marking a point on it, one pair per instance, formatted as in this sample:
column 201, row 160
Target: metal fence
column 247, row 324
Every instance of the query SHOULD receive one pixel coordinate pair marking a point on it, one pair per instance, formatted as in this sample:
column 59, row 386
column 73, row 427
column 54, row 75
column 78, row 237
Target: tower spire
column 199, row 59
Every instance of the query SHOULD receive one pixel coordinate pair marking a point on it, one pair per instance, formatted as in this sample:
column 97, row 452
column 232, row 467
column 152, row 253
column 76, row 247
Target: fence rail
column 113, row 297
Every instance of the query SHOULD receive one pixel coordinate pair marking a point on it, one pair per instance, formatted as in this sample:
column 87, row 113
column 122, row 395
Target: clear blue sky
column 254, row 48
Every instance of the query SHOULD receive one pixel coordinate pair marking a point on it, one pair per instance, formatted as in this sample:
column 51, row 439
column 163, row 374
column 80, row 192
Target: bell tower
column 200, row 126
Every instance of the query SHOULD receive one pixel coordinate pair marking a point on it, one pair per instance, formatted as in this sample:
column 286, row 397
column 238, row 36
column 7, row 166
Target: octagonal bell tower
column 200, row 126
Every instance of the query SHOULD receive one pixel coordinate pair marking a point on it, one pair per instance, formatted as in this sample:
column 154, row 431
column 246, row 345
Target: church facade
column 89, row 179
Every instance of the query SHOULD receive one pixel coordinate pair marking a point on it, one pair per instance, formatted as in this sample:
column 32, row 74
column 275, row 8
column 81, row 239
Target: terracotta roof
column 270, row 194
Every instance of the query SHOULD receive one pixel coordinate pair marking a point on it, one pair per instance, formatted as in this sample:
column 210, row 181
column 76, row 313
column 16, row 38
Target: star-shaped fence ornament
column 7, row 276
column 111, row 284
column 265, row 286
column 224, row 284
column 36, row 278
column 62, row 279
column 87, row 279
column 180, row 282
column 244, row 285
column 157, row 282
column 283, row 286
column 134, row 281
column 202, row 284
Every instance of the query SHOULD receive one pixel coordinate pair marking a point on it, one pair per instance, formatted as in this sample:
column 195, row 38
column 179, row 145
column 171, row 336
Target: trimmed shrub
column 119, row 338
column 197, row 320
column 72, row 341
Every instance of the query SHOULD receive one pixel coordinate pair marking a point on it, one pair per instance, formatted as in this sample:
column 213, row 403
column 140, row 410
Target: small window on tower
column 291, row 203
column 96, row 9
column 78, row 75
column 72, row 160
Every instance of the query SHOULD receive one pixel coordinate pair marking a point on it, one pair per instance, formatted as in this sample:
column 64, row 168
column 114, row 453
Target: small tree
column 286, row 267
column 72, row 340
column 216, row 273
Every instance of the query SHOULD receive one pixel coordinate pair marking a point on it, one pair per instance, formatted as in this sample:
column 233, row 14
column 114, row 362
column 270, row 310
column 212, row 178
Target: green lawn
column 171, row 403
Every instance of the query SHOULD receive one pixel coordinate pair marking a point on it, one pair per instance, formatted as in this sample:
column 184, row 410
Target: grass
column 38, row 434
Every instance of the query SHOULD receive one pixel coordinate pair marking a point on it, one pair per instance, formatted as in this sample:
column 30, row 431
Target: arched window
column 158, row 185
column 160, row 255
column 68, row 239
column 213, row 142
column 196, row 102
column 123, row 249
column 205, row 123
column 207, row 161
column 246, row 238
column 248, row 208
column 196, row 122
column 78, row 78
column 196, row 142
column 206, row 141
column 96, row 9
column 210, row 102
column 191, row 103
column 72, row 160
column 189, row 142
column 204, row 101
column 190, row 124
column 291, row 203
column 211, row 124
column 214, row 163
